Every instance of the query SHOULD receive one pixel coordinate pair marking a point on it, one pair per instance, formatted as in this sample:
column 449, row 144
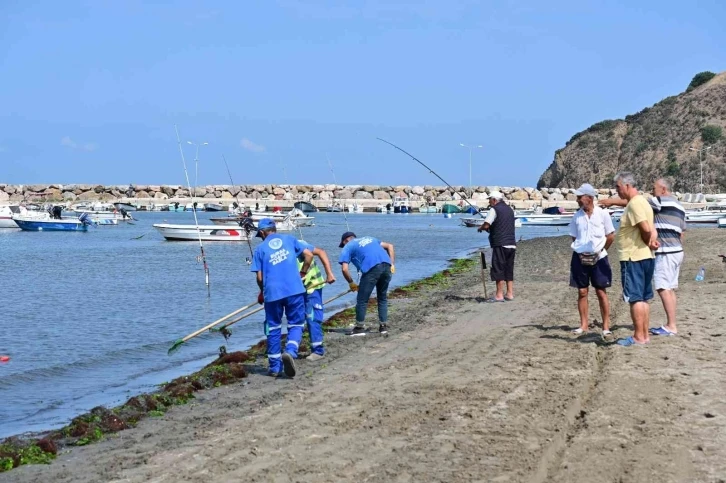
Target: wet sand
column 461, row 391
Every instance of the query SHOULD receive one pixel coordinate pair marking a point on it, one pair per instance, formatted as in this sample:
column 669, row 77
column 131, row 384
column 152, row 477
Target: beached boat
column 213, row 207
column 64, row 224
column 206, row 232
column 125, row 206
column 709, row 214
column 305, row 207
column 401, row 204
column 354, row 208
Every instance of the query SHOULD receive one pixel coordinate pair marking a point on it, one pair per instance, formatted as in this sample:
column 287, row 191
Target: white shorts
column 667, row 269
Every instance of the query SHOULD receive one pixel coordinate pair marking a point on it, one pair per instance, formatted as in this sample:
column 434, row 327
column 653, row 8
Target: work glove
column 393, row 269
column 303, row 274
column 353, row 286
column 260, row 299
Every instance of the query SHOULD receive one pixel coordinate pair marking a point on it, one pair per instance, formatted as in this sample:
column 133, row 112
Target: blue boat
column 51, row 224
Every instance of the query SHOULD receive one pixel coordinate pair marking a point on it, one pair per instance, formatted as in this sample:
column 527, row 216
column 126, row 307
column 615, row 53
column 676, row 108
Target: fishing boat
column 8, row 212
column 475, row 222
column 297, row 217
column 428, row 208
column 64, row 224
column 334, row 207
column 175, row 207
column 213, row 207
column 97, row 213
column 125, row 206
column 305, row 207
column 710, row 214
column 384, row 209
column 401, row 204
column 205, row 232
column 449, row 208
column 552, row 216
column 354, row 208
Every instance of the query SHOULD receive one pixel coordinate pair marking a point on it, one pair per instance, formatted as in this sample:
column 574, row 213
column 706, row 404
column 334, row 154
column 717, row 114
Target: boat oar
column 225, row 326
column 179, row 342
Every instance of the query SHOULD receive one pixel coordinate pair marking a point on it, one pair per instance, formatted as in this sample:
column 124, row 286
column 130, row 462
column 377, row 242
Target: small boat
column 125, row 206
column 206, row 232
column 334, row 207
column 354, row 208
column 305, row 207
column 428, row 208
column 8, row 213
column 449, row 208
column 213, row 207
column 104, row 215
column 546, row 220
column 710, row 214
column 64, row 224
column 401, row 204
column 478, row 221
column 383, row 208
column 193, row 206
column 296, row 216
column 105, row 222
column 721, row 223
column 175, row 207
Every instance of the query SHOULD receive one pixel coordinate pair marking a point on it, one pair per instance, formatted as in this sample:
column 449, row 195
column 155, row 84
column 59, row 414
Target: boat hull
column 545, row 220
column 125, row 206
column 305, row 207
column 7, row 222
column 205, row 232
column 213, row 207
column 51, row 225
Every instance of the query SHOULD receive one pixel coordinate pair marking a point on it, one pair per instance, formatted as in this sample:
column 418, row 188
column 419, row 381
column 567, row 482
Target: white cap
column 496, row 195
column 586, row 190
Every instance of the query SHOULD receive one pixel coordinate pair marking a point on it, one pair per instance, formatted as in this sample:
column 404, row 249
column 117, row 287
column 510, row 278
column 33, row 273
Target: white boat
column 721, row 223
column 207, row 232
column 477, row 221
column 298, row 216
column 213, row 207
column 546, row 220
column 710, row 214
column 104, row 215
column 354, row 208
column 383, row 209
column 125, row 206
column 8, row 212
column 401, row 204
column 334, row 207
column 716, row 198
column 428, row 208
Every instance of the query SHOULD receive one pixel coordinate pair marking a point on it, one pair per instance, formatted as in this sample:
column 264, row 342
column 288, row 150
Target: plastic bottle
column 701, row 275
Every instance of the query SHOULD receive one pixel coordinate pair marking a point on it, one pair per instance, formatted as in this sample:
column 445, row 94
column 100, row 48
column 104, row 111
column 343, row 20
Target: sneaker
column 314, row 357
column 383, row 329
column 358, row 330
column 288, row 365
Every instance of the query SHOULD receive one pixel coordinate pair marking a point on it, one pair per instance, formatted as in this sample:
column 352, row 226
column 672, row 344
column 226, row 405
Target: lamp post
column 470, row 148
column 701, row 152
column 196, row 164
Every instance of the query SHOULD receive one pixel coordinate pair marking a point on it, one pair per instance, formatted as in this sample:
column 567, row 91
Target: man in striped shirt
column 670, row 223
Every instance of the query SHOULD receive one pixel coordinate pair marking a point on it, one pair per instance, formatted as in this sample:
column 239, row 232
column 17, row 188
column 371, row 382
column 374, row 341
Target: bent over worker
column 282, row 292
column 375, row 260
column 314, row 281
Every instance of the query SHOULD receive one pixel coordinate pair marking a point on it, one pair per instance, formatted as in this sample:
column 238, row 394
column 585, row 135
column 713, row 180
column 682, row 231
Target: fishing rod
column 194, row 211
column 335, row 180
column 245, row 225
column 434, row 173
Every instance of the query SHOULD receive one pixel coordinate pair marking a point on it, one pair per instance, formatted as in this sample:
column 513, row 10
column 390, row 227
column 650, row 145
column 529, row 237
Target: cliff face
column 654, row 142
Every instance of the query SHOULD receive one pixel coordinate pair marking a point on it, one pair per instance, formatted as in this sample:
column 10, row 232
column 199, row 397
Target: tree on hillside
column 710, row 133
column 700, row 79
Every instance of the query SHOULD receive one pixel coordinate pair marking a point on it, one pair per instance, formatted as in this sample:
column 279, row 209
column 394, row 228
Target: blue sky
column 91, row 91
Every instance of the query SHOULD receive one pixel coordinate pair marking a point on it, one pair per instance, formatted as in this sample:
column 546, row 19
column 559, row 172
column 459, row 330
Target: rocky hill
column 656, row 141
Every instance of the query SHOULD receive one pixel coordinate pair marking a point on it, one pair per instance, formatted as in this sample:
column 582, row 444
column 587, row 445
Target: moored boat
column 7, row 213
column 428, row 208
column 449, row 208
column 205, row 232
column 305, row 207
column 334, row 207
column 354, row 208
column 213, row 207
column 50, row 224
column 125, row 206
column 475, row 222
column 401, row 204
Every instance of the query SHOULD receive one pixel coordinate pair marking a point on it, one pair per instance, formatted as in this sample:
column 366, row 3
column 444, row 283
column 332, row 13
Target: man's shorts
column 667, row 269
column 503, row 264
column 582, row 276
column 637, row 278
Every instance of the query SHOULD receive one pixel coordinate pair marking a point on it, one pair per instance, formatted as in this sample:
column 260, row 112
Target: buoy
column 447, row 215
column 4, row 358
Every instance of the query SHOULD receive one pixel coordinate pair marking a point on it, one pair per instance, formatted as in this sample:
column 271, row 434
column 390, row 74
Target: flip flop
column 509, row 299
column 578, row 331
column 492, row 300
column 606, row 333
column 628, row 341
column 662, row 331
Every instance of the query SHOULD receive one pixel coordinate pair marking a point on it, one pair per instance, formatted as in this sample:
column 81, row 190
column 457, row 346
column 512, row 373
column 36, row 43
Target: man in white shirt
column 592, row 233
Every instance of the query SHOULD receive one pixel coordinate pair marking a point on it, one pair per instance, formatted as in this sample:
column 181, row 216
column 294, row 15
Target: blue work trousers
column 294, row 308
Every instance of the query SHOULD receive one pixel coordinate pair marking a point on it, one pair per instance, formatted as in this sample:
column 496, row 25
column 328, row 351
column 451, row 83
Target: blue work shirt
column 276, row 257
column 365, row 253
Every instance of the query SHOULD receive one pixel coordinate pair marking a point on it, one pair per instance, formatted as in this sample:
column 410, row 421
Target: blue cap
column 264, row 224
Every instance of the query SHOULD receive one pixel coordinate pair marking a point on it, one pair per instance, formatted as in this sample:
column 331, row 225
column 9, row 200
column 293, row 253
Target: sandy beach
column 461, row 391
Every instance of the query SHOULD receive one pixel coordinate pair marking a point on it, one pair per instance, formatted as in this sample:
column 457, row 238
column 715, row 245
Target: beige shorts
column 667, row 269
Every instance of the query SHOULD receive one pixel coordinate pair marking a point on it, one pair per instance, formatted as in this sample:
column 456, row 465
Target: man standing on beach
column 375, row 260
column 499, row 222
column 592, row 234
column 282, row 292
column 314, row 283
column 670, row 224
column 636, row 239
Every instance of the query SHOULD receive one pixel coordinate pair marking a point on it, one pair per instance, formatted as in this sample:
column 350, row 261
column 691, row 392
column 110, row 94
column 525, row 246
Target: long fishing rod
column 335, row 180
column 432, row 172
column 246, row 225
column 194, row 210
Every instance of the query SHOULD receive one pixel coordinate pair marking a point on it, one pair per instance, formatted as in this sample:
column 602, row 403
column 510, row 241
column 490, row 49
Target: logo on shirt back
column 365, row 241
column 275, row 243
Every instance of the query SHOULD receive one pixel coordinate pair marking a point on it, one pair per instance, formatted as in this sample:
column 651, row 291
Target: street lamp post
column 470, row 148
column 196, row 164
column 701, row 152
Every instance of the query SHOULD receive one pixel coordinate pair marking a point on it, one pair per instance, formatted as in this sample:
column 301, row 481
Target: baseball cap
column 264, row 224
column 586, row 190
column 497, row 195
column 345, row 235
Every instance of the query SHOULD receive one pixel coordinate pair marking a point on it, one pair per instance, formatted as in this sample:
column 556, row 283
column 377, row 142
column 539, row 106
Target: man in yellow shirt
column 636, row 239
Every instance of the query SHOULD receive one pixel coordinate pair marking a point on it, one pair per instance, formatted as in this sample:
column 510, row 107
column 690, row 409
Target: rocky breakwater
column 319, row 194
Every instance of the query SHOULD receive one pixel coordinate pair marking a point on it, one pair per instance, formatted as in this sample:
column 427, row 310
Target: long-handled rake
column 179, row 342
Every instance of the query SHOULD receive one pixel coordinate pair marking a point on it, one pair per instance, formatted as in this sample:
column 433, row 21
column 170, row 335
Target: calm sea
column 87, row 318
